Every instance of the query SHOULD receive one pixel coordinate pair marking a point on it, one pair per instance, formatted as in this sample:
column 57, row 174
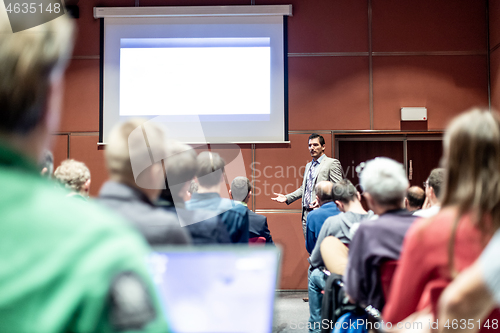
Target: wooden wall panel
column 495, row 79
column 326, row 26
column 446, row 85
column 59, row 149
column 87, row 33
column 280, row 169
column 494, row 16
column 286, row 229
column 429, row 25
column 84, row 149
column 80, row 109
column 494, row 22
column 328, row 93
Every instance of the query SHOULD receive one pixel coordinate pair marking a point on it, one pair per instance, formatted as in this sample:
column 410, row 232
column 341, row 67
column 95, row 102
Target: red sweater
column 423, row 270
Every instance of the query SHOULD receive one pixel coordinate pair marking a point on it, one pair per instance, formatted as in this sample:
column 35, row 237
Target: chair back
column 257, row 240
column 387, row 270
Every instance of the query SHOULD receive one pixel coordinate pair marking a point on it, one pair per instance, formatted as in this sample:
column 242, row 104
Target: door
column 422, row 157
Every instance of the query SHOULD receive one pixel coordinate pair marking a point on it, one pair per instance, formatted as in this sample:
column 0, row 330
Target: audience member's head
column 344, row 193
column 434, row 184
column 241, row 189
column 415, row 197
column 75, row 176
column 180, row 167
column 32, row 63
column 46, row 164
column 384, row 183
column 471, row 151
column 323, row 191
column 210, row 170
column 128, row 157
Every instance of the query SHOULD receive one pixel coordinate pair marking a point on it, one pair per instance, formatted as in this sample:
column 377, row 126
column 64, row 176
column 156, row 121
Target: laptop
column 217, row 289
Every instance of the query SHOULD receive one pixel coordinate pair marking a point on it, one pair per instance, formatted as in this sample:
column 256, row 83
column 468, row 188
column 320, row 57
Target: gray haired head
column 240, row 187
column 385, row 180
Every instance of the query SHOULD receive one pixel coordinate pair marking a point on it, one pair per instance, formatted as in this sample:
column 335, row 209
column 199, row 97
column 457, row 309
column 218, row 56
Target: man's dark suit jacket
column 258, row 227
column 207, row 229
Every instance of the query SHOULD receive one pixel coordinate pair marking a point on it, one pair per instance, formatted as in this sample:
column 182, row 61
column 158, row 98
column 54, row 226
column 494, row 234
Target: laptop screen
column 216, row 290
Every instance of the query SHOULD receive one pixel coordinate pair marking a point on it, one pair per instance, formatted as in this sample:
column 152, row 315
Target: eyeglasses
column 426, row 183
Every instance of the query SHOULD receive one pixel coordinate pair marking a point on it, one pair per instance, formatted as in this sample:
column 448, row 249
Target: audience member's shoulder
column 334, row 219
column 55, row 209
column 430, row 229
column 312, row 213
column 161, row 214
column 429, row 212
column 260, row 216
column 234, row 206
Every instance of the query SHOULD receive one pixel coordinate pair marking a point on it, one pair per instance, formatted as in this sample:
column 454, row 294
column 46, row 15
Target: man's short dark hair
column 436, row 179
column 415, row 196
column 240, row 187
column 344, row 191
column 210, row 168
column 321, row 138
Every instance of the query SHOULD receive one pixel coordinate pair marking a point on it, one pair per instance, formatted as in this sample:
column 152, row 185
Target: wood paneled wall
column 494, row 45
column 352, row 65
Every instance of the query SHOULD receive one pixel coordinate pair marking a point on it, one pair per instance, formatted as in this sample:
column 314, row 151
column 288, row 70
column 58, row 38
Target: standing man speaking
column 320, row 168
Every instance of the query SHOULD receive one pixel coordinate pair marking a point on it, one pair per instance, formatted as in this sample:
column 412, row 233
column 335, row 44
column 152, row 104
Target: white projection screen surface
column 206, row 79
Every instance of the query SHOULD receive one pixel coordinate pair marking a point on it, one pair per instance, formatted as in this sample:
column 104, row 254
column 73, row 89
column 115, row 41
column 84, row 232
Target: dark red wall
column 352, row 66
column 494, row 39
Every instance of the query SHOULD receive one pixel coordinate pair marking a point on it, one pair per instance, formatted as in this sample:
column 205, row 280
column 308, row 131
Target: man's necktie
column 309, row 184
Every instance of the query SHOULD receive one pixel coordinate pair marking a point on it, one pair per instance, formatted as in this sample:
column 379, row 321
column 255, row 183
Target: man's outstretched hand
column 280, row 198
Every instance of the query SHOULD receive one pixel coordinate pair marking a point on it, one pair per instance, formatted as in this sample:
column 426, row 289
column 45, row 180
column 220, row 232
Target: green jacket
column 67, row 265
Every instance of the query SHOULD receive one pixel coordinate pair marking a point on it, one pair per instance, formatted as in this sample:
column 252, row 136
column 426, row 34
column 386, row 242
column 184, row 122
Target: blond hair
column 72, row 174
column 133, row 147
column 29, row 61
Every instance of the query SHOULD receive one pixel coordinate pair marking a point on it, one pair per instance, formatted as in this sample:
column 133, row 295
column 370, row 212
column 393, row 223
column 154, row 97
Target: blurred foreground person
column 437, row 248
column 133, row 193
column 75, row 176
column 474, row 293
column 65, row 265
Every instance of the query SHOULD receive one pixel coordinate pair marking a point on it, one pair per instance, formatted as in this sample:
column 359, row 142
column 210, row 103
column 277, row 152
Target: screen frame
column 282, row 10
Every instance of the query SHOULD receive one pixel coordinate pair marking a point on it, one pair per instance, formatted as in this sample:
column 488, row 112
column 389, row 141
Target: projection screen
column 208, row 74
